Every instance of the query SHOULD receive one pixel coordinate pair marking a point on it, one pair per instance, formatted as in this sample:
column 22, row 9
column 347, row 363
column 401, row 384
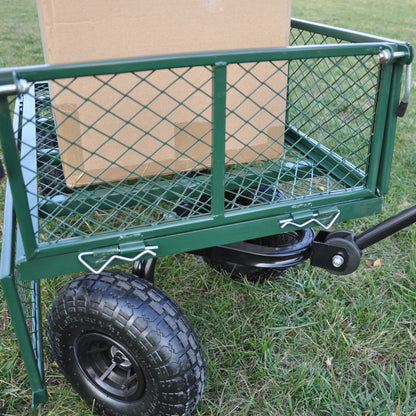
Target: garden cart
column 324, row 157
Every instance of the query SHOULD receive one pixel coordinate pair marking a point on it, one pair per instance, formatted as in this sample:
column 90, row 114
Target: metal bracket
column 314, row 219
column 386, row 55
column 20, row 86
column 336, row 251
column 147, row 250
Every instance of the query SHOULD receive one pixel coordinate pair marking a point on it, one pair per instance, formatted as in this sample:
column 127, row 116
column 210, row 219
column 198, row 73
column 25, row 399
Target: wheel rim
column 109, row 366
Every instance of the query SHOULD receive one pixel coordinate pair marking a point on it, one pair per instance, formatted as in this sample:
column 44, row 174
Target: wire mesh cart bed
column 243, row 174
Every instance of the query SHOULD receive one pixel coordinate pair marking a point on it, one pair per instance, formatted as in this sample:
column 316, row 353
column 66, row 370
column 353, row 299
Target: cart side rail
column 334, row 135
column 343, row 34
column 49, row 72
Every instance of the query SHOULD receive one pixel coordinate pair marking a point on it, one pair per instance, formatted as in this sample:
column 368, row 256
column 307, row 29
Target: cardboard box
column 116, row 127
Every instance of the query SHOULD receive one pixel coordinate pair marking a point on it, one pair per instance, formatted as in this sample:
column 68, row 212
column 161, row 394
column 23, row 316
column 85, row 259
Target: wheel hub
column 109, row 366
column 119, row 358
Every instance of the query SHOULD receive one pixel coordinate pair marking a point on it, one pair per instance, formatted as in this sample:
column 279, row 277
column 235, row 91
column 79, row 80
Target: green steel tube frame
column 31, row 351
column 35, row 261
column 34, row 253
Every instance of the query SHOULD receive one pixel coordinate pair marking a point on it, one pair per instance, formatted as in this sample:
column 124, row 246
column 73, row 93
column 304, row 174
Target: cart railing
column 315, row 120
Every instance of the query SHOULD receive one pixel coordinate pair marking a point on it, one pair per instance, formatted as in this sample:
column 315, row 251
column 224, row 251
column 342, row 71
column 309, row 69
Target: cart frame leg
column 31, row 351
column 36, row 379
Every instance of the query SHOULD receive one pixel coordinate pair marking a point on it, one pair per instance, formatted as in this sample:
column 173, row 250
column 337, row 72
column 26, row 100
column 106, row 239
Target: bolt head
column 384, row 56
column 337, row 261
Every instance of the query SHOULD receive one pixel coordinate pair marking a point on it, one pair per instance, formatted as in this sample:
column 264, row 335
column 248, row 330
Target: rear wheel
column 126, row 347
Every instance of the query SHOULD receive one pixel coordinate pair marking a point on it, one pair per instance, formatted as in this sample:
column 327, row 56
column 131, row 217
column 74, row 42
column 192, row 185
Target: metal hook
column 147, row 250
column 284, row 223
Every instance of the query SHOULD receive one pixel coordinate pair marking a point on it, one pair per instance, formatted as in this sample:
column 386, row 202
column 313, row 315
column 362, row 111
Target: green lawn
column 306, row 344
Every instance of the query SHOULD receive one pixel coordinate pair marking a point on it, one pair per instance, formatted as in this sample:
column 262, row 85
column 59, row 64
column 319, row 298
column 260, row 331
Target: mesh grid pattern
column 28, row 293
column 332, row 104
column 131, row 150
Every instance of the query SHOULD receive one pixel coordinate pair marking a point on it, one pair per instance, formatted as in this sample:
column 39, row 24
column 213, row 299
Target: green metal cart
column 121, row 342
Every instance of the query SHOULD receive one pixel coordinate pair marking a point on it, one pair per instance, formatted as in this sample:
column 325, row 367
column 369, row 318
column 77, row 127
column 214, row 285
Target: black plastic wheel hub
column 109, row 366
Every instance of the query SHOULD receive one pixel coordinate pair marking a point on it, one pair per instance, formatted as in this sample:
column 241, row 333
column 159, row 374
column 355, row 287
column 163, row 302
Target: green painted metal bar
column 47, row 72
column 369, row 45
column 39, row 394
column 378, row 127
column 390, row 131
column 338, row 33
column 12, row 162
column 12, row 243
column 283, row 207
column 218, row 138
column 36, row 316
column 174, row 243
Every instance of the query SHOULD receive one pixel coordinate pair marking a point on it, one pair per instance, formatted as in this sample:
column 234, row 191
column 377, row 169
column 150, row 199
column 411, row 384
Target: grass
column 306, row 344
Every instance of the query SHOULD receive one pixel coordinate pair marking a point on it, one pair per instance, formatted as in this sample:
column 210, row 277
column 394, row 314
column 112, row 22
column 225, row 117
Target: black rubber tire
column 126, row 347
column 293, row 244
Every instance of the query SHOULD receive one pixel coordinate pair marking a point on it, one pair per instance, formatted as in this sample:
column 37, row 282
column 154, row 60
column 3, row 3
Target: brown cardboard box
column 115, row 127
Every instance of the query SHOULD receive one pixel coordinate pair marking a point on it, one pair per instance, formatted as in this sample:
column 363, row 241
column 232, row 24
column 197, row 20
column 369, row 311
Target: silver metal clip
column 290, row 221
column 147, row 250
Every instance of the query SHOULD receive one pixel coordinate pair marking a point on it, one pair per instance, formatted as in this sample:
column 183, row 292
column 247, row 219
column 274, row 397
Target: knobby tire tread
column 131, row 308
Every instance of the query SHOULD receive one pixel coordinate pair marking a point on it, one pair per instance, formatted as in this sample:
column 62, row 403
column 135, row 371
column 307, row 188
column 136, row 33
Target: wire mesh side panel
column 23, row 302
column 331, row 106
column 29, row 295
column 122, row 150
column 130, row 150
column 333, row 101
column 318, row 118
column 255, row 130
column 334, row 97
